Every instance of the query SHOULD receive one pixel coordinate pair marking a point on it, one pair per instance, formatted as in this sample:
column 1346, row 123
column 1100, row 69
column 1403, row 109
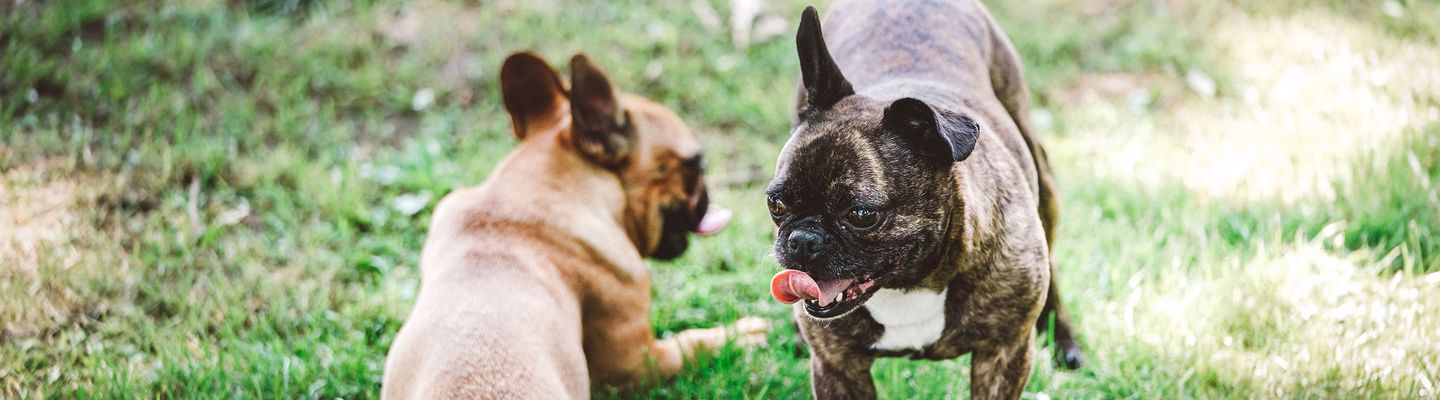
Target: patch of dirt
column 48, row 262
column 1136, row 90
column 39, row 206
column 438, row 30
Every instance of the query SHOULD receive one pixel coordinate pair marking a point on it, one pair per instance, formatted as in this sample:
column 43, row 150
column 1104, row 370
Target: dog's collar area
column 912, row 319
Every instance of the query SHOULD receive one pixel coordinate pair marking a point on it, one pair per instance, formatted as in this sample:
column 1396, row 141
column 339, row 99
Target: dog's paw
column 1069, row 357
column 749, row 331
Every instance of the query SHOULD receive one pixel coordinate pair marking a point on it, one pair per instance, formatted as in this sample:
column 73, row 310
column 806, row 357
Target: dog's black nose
column 806, row 245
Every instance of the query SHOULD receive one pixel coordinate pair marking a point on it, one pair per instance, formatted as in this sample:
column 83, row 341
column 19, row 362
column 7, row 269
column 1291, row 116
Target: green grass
column 203, row 192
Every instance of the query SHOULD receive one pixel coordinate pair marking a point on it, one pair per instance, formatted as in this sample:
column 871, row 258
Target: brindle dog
column 915, row 207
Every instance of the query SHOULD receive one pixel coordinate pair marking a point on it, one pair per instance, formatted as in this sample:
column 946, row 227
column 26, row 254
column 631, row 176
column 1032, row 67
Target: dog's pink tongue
column 714, row 220
column 789, row 286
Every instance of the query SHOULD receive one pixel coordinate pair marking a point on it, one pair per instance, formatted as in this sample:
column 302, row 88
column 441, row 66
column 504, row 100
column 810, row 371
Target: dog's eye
column 860, row 218
column 777, row 207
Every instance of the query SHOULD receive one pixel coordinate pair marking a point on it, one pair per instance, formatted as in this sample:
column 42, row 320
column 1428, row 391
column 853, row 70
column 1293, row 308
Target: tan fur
column 534, row 285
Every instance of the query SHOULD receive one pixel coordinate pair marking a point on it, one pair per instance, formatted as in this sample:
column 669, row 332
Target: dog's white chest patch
column 912, row 319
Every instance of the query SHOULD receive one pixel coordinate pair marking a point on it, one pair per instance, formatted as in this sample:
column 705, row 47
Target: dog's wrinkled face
column 861, row 191
column 651, row 151
column 855, row 203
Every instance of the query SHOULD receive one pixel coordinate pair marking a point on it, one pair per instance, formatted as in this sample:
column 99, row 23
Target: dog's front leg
column 847, row 377
column 673, row 353
column 1000, row 373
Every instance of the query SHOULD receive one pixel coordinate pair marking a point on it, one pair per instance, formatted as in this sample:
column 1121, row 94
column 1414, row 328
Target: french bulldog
column 914, row 207
column 534, row 284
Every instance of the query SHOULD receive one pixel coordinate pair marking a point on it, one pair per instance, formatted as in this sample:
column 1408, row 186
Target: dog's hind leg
column 1008, row 80
column 1067, row 352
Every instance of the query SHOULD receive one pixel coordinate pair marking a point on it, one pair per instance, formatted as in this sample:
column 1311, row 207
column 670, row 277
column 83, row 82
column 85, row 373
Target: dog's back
column 876, row 42
column 949, row 53
column 492, row 320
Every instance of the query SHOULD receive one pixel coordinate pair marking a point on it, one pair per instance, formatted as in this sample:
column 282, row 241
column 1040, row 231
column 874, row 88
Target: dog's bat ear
column 601, row 129
column 947, row 136
column 824, row 84
column 531, row 90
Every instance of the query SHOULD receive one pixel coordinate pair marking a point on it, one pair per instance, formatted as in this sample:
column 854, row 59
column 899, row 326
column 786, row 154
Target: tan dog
column 534, row 284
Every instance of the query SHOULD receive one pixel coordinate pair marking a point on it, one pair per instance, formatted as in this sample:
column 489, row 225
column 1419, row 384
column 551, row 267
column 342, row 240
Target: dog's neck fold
column 584, row 200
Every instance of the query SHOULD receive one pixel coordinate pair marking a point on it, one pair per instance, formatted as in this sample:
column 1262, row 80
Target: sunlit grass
column 198, row 199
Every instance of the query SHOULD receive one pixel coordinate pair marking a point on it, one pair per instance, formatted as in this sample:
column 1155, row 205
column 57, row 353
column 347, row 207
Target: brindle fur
column 981, row 228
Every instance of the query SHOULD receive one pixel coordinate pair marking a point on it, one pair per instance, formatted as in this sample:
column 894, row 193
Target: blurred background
column 208, row 198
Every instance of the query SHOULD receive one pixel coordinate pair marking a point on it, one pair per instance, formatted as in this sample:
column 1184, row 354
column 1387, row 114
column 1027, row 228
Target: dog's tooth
column 839, row 297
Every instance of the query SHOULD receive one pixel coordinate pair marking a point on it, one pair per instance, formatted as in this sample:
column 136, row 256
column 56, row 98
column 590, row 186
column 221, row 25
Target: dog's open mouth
column 823, row 299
